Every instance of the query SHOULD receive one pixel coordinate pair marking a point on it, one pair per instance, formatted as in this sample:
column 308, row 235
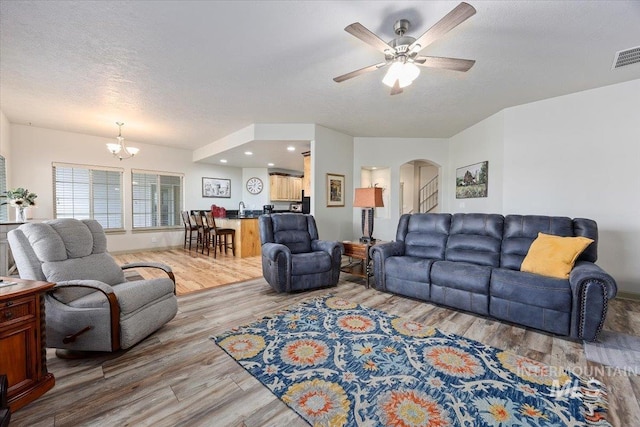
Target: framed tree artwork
column 472, row 181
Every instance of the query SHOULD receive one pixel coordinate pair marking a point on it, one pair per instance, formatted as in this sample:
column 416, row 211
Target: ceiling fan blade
column 360, row 31
column 358, row 72
column 396, row 89
column 457, row 16
column 455, row 64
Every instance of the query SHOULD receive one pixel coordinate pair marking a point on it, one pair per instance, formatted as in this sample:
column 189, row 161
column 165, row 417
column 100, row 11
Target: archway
column 419, row 187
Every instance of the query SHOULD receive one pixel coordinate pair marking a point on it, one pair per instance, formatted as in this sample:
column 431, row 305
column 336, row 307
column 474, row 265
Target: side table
column 23, row 340
column 358, row 251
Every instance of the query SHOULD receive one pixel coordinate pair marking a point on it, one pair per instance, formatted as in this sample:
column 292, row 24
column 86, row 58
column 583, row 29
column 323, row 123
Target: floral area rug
column 337, row 363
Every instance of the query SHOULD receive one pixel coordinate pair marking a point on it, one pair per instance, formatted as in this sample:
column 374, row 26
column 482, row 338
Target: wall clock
column 254, row 185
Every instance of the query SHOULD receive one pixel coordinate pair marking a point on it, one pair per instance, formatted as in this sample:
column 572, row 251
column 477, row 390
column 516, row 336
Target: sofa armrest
column 276, row 266
column 379, row 253
column 591, row 289
column 272, row 250
column 164, row 267
column 327, row 246
column 114, row 307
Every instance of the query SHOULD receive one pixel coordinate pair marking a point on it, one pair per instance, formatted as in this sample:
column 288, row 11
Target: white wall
column 406, row 177
column 579, row 156
column 392, row 153
column 332, row 152
column 255, row 201
column 5, row 137
column 33, row 150
column 482, row 141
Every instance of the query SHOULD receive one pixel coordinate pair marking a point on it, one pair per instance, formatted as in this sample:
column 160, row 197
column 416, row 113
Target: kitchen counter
column 247, row 234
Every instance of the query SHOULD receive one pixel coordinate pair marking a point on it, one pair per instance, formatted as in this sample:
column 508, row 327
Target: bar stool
column 189, row 228
column 204, row 231
column 220, row 236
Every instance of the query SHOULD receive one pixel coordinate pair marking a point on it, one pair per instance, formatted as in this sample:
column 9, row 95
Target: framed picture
column 216, row 187
column 472, row 181
column 335, row 190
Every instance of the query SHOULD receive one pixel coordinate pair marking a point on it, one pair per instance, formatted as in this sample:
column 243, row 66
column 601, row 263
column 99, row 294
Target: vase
column 21, row 215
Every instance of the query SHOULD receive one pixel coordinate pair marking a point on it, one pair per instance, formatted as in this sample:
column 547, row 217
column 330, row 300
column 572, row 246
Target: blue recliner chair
column 293, row 259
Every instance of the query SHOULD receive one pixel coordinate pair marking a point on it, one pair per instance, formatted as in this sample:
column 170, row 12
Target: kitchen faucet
column 241, row 208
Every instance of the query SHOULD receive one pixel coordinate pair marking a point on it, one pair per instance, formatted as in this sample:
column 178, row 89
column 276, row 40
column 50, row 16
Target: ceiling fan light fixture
column 404, row 72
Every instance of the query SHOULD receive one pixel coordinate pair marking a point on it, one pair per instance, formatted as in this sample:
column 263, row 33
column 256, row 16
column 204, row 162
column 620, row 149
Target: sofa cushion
column 409, row 268
column 531, row 300
column 587, row 228
column 462, row 275
column 461, row 285
column 131, row 296
column 532, row 289
column 475, row 238
column 101, row 267
column 292, row 231
column 424, row 235
column 554, row 256
column 310, row 262
column 521, row 230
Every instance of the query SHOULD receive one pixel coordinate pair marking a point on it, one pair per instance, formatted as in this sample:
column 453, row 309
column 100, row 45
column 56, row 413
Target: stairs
column 428, row 196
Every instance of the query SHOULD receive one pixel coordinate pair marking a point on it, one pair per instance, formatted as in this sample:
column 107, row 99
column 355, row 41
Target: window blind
column 89, row 192
column 157, row 199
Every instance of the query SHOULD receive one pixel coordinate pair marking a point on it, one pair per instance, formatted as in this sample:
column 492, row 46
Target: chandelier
column 120, row 150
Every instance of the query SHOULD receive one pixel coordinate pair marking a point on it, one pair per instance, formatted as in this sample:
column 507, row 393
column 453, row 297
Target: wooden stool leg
column 233, row 243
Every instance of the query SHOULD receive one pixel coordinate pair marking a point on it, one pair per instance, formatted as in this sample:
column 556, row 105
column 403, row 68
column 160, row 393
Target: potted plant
column 20, row 198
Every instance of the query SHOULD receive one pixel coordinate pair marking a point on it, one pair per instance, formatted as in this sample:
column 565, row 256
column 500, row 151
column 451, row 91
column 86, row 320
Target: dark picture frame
column 472, row 181
column 216, row 187
column 335, row 190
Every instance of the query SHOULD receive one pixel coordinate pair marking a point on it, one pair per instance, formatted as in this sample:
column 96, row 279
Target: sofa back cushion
column 475, row 238
column 293, row 230
column 521, row 230
column 424, row 235
column 70, row 249
column 584, row 227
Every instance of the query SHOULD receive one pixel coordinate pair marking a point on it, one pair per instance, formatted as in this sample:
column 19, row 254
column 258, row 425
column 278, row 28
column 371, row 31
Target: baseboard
column 628, row 295
column 162, row 248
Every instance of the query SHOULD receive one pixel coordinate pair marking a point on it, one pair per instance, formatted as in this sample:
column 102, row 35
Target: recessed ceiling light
column 270, row 164
column 248, row 153
column 223, row 160
column 373, row 168
column 291, row 148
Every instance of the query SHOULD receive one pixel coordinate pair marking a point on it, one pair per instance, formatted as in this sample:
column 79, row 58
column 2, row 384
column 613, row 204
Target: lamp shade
column 368, row 198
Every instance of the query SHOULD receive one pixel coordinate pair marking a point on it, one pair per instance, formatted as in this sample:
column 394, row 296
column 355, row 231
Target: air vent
column 626, row 57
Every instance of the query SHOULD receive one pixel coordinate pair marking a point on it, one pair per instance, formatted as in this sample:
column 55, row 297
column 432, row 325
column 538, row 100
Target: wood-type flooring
column 179, row 377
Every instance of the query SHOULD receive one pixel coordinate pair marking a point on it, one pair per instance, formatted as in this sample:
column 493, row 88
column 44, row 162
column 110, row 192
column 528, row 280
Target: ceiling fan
column 401, row 53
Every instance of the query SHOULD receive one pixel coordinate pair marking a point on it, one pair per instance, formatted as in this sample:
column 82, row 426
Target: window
column 4, row 215
column 157, row 199
column 93, row 192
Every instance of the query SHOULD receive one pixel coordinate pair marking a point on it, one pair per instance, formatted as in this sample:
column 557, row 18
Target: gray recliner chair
column 293, row 258
column 92, row 307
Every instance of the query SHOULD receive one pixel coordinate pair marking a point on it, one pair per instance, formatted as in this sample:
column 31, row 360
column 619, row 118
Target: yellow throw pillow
column 554, row 256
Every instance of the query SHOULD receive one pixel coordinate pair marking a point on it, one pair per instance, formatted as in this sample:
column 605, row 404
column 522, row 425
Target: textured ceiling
column 187, row 73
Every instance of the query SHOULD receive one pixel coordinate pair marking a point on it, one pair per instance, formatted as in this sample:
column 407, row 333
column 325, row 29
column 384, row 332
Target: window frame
column 91, row 168
column 158, row 200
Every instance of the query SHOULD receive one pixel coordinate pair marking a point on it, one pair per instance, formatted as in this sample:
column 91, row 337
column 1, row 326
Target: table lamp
column 368, row 199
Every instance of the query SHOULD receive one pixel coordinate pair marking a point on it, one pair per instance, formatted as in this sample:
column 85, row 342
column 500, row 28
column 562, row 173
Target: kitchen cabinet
column 285, row 188
column 22, row 340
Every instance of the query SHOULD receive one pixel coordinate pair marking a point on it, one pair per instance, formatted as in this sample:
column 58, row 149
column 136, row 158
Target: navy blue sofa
column 472, row 262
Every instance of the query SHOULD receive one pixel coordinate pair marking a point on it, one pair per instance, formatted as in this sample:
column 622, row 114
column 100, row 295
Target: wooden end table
column 360, row 252
column 23, row 340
